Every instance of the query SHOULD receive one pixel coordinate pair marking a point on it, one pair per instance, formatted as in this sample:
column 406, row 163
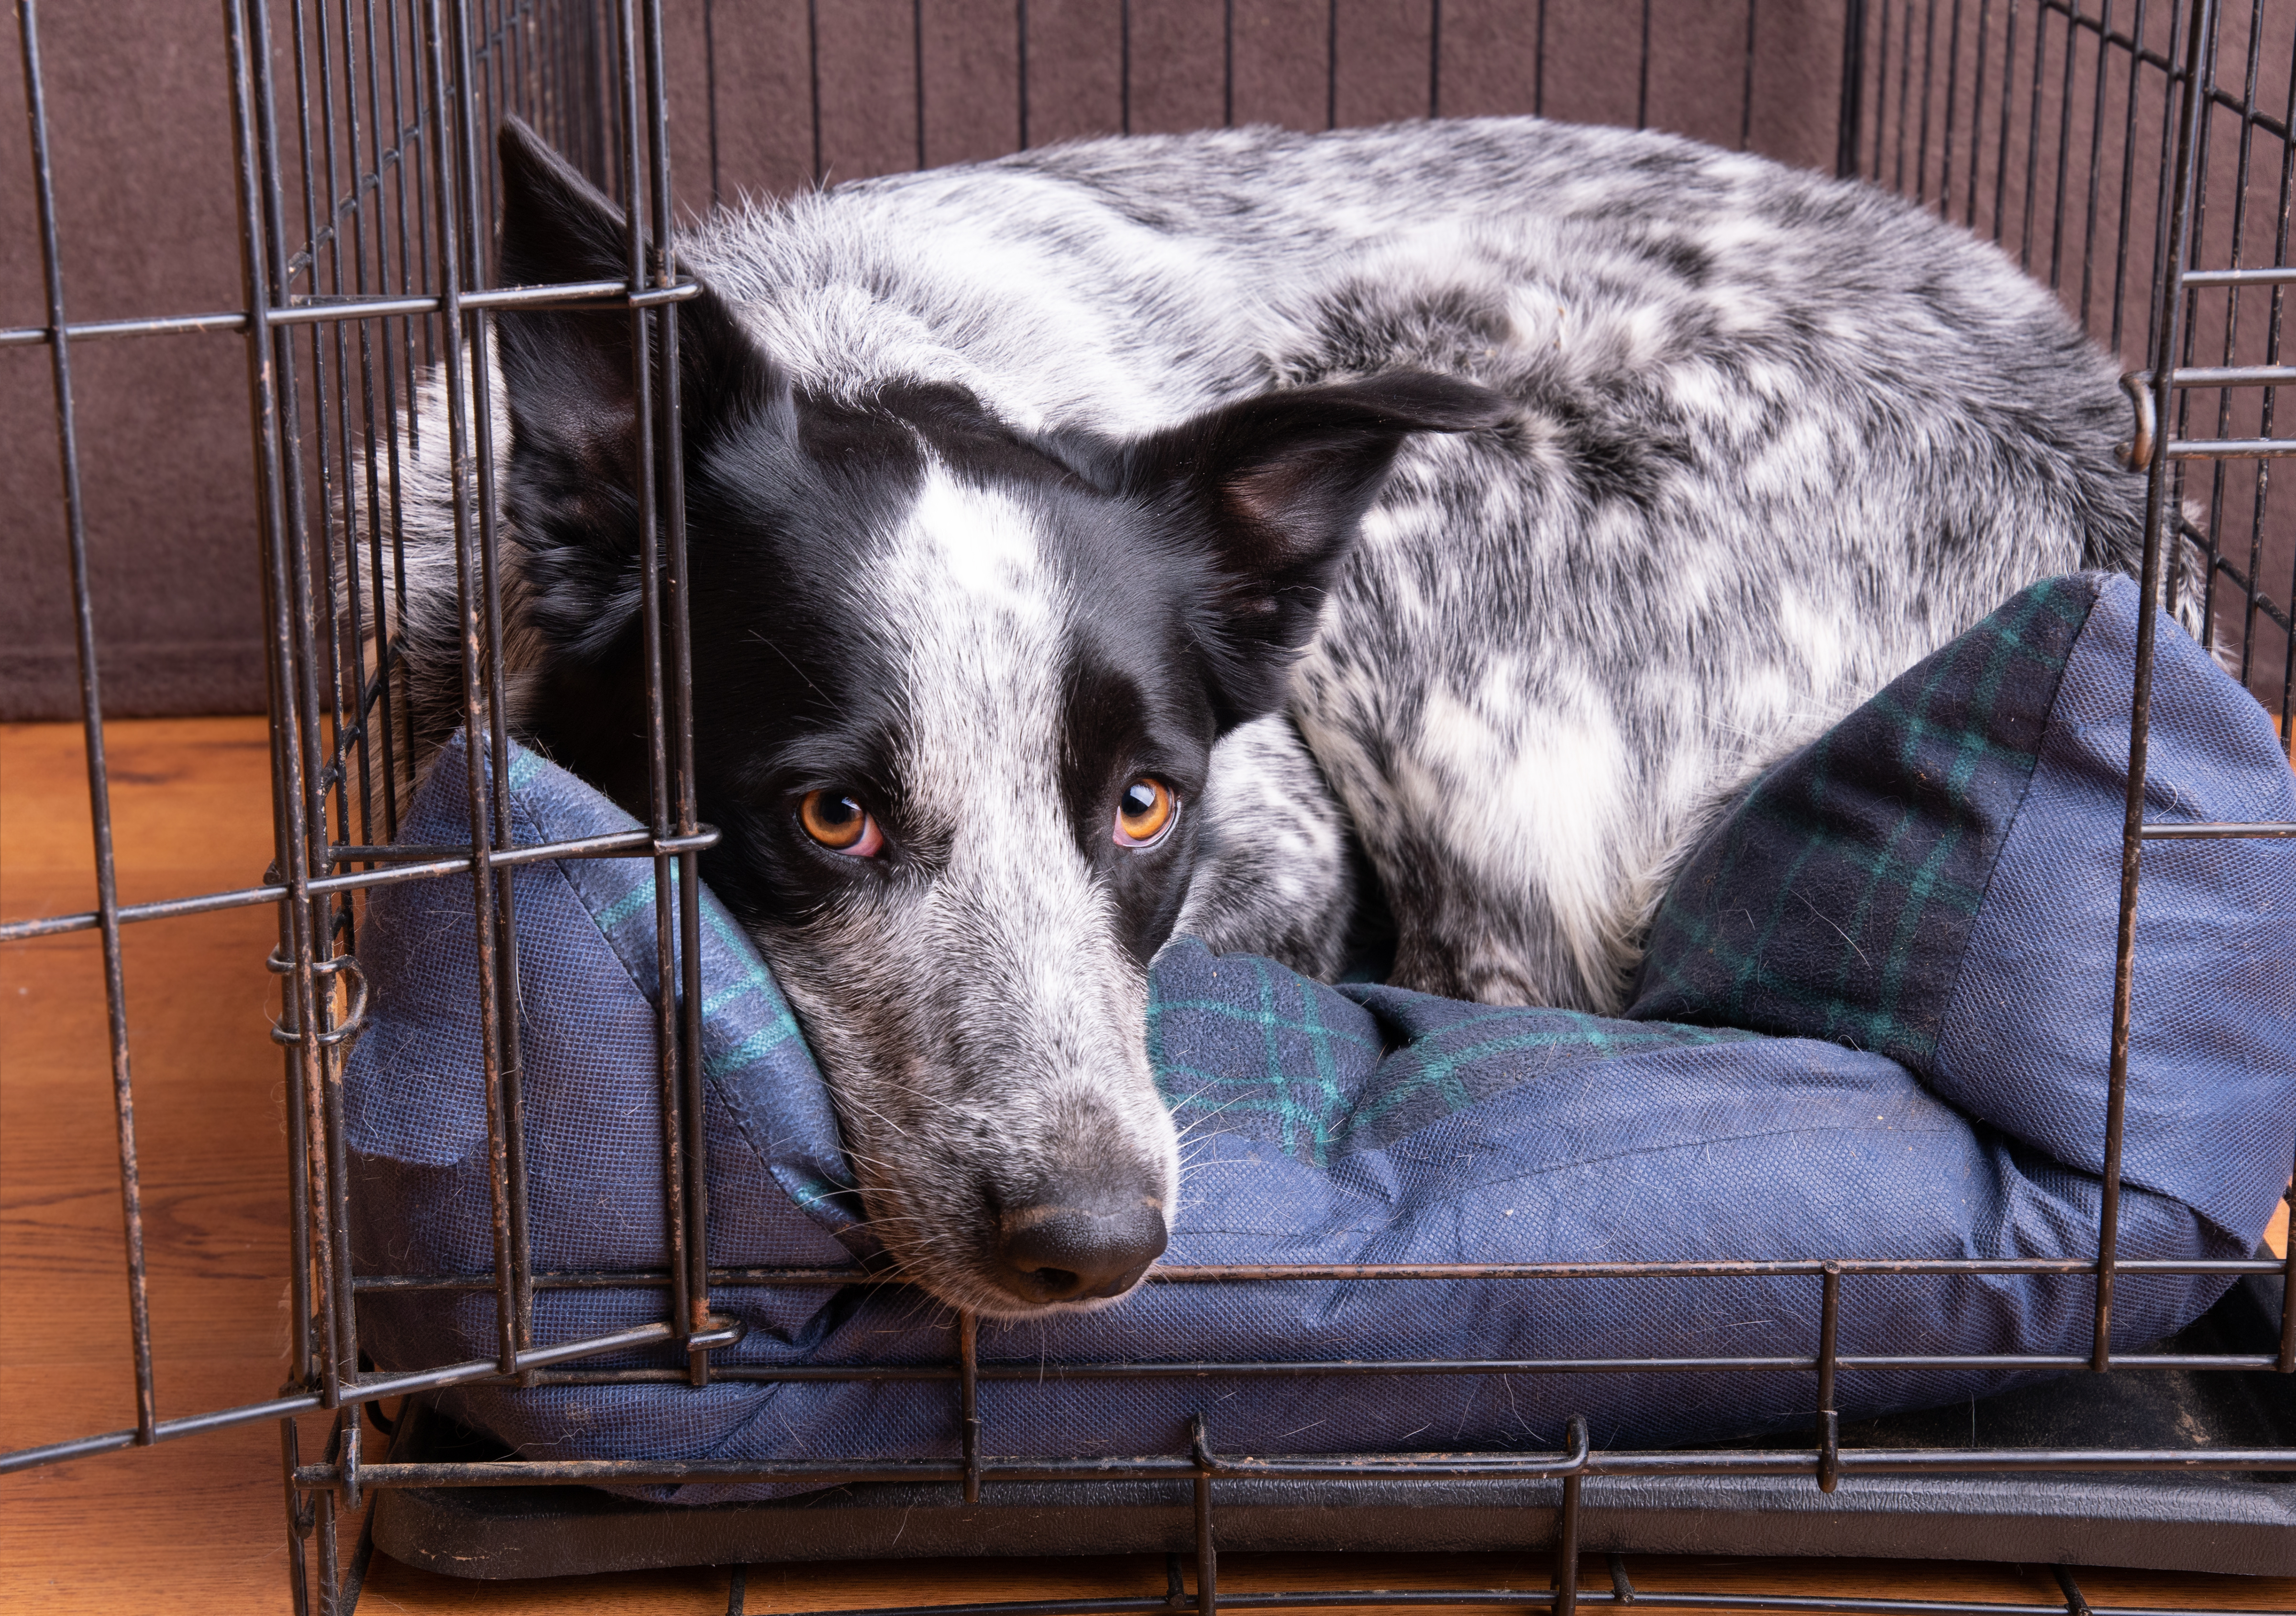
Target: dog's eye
column 1145, row 812
column 840, row 824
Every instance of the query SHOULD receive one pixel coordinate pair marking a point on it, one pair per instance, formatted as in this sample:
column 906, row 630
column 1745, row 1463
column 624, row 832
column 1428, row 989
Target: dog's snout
column 1077, row 1249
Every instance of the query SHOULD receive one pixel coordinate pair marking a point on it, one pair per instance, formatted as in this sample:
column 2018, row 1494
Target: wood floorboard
column 196, row 1525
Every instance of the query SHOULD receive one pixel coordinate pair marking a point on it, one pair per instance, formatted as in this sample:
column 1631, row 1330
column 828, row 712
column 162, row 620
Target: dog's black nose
column 1077, row 1251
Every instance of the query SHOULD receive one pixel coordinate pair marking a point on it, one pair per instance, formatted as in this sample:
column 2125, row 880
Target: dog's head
column 954, row 691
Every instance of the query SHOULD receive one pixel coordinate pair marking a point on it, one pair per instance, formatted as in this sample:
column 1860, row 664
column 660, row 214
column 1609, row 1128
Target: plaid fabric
column 2026, row 1041
column 417, row 1126
column 1245, row 1049
column 1836, row 901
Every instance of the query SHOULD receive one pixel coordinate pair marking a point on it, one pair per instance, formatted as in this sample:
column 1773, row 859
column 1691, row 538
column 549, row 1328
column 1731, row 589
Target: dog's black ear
column 556, row 226
column 574, row 479
column 1274, row 486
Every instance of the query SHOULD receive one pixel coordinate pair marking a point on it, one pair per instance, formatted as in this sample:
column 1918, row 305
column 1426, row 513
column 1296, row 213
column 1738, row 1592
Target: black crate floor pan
column 2184, row 1521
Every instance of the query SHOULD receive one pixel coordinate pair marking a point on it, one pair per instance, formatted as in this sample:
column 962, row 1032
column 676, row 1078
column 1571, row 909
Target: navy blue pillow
column 1937, row 879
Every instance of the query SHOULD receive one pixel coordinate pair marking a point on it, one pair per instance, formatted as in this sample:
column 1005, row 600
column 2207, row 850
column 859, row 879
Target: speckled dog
column 1109, row 539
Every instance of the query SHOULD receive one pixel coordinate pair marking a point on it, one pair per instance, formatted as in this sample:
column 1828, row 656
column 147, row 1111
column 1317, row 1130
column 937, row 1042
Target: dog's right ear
column 567, row 375
column 1269, row 490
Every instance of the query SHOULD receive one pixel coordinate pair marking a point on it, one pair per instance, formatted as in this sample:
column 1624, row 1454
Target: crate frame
column 333, row 370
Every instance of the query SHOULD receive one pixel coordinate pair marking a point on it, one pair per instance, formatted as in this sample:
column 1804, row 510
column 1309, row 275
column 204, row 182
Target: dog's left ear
column 575, row 470
column 1272, row 486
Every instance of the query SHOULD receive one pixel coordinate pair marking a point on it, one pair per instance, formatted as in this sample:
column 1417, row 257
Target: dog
column 1291, row 540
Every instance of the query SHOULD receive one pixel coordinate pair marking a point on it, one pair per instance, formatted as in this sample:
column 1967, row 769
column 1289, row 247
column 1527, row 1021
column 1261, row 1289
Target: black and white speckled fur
column 1759, row 441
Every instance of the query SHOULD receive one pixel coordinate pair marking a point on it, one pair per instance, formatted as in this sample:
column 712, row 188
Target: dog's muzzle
column 1077, row 1248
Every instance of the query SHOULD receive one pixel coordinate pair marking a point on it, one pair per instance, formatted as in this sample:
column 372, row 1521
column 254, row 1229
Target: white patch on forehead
column 983, row 545
column 971, row 605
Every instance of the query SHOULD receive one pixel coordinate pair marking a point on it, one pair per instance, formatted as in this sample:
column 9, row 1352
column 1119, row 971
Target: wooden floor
column 196, row 1525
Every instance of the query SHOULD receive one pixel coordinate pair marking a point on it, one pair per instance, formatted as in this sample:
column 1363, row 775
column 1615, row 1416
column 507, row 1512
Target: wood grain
column 196, row 1525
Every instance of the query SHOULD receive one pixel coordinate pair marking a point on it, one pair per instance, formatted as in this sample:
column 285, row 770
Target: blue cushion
column 1937, row 879
column 1368, row 1124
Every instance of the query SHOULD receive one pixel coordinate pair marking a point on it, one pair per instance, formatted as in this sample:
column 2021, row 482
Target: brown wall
column 141, row 135
column 1289, row 69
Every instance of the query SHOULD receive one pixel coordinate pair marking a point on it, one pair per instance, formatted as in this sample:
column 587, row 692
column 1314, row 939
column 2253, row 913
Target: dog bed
column 1873, row 1023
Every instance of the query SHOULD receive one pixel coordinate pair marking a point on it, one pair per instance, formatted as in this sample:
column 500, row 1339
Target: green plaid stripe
column 744, row 1017
column 1322, row 1072
column 1836, row 900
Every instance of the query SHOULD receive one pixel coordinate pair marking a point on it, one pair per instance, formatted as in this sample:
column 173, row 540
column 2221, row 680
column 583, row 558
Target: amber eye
column 840, row 824
column 1145, row 812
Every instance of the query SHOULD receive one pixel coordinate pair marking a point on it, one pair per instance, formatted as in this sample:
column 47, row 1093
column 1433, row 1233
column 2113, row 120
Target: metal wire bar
column 473, row 137
column 1033, row 1373
column 312, row 307
column 2076, row 1602
column 2197, row 77
column 678, row 712
column 344, row 655
column 2199, row 832
column 159, row 325
column 449, row 188
column 2220, row 472
column 2234, row 375
column 2097, row 124
column 1566, row 1548
column 1905, row 99
column 458, row 861
column 1977, row 113
column 91, row 701
column 1435, row 57
column 1346, row 1467
column 1641, row 73
column 661, row 790
column 1853, row 89
column 294, row 708
column 380, row 449
column 2065, row 156
column 813, row 81
column 1517, row 1598
column 2157, row 505
column 2032, row 139
column 1929, row 55
column 362, row 1389
column 2255, row 602
column 1281, row 1273
column 263, row 417
column 1228, row 71
column 1746, row 80
column 968, row 1402
column 2230, row 448
column 1207, row 1552
column 1829, row 1361
column 2262, row 276
column 2264, row 606
column 331, row 441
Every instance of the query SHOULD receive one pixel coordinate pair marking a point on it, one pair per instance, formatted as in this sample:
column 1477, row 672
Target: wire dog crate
column 2136, row 155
